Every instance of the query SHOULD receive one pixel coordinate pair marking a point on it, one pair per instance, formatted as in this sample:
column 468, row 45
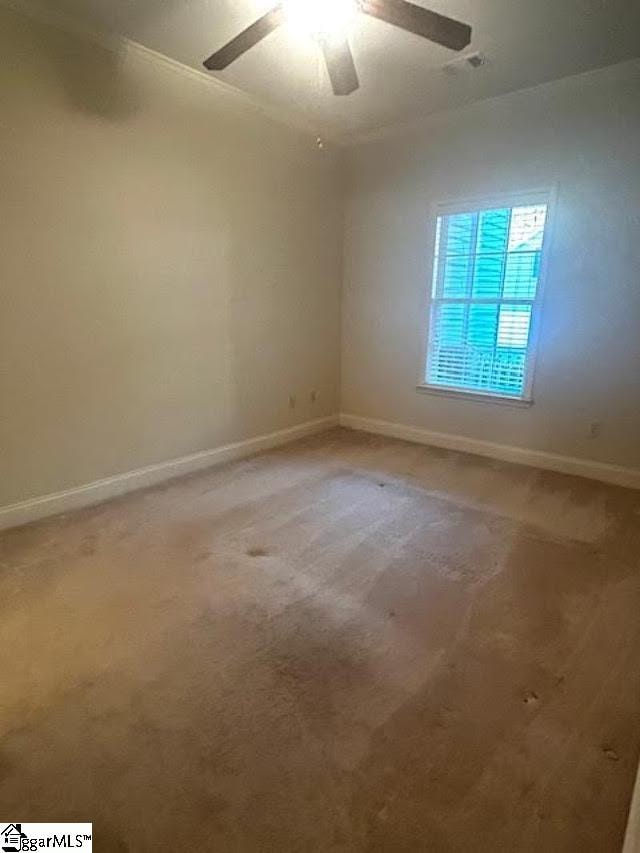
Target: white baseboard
column 616, row 474
column 101, row 490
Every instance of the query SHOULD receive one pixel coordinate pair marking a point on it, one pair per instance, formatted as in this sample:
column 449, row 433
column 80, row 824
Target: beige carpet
column 348, row 644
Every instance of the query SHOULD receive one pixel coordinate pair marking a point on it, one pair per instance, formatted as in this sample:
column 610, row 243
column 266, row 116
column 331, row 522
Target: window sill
column 475, row 396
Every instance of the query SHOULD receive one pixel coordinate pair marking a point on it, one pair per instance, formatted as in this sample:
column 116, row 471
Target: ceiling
column 526, row 42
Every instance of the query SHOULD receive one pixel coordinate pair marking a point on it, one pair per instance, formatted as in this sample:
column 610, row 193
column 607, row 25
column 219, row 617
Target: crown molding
column 626, row 69
column 116, row 43
column 39, row 11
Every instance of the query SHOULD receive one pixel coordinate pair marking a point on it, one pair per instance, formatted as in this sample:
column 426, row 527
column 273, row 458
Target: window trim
column 472, row 204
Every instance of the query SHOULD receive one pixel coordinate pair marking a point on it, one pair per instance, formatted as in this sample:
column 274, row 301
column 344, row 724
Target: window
column 486, row 297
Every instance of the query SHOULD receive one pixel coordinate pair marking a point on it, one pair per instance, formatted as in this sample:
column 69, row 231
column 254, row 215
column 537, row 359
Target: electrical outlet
column 595, row 429
column 292, row 401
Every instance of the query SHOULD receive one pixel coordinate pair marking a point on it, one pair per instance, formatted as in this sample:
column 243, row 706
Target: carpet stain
column 257, row 552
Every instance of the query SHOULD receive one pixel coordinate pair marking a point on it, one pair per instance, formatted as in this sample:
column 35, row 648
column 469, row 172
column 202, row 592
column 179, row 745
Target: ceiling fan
column 328, row 21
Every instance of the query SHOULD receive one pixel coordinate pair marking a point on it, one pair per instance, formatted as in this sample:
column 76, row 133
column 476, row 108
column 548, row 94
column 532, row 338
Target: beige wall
column 169, row 265
column 582, row 134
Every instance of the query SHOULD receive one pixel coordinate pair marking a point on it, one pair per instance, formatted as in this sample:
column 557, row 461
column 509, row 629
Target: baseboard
column 619, row 476
column 101, row 490
column 632, row 837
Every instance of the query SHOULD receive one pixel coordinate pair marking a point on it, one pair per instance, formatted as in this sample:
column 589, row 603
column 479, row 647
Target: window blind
column 485, row 287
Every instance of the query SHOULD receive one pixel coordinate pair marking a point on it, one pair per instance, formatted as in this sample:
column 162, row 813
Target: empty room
column 320, row 426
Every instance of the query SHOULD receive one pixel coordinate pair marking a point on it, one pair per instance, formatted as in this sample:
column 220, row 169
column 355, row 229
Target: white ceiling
column 526, row 42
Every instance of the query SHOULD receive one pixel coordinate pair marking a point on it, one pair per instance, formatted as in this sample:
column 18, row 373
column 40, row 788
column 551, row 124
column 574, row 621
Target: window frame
column 472, row 204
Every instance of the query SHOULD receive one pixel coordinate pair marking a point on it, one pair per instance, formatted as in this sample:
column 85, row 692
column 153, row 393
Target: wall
column 582, row 134
column 169, row 264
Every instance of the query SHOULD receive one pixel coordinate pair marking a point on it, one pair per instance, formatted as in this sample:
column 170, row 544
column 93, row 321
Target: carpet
column 350, row 643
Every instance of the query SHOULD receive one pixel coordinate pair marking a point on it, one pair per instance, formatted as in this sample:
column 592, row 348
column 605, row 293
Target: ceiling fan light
column 322, row 19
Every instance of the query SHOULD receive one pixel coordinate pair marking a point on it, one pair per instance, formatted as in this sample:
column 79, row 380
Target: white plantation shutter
column 485, row 298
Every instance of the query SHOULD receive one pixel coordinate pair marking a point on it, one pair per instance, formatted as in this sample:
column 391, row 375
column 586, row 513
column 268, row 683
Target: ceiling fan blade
column 340, row 65
column 421, row 21
column 246, row 39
